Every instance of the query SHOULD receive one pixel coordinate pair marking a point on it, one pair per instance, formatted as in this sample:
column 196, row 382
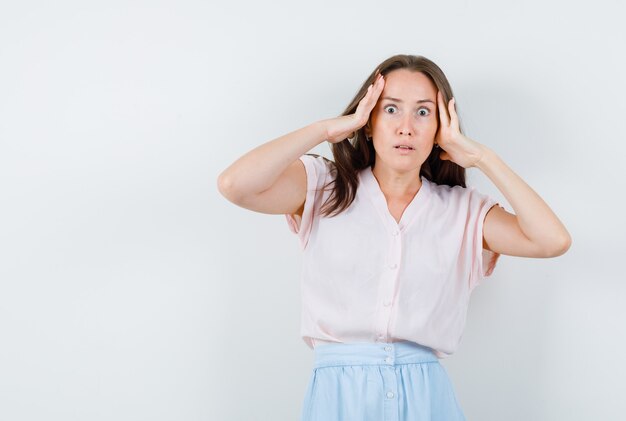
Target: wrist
column 323, row 130
column 486, row 156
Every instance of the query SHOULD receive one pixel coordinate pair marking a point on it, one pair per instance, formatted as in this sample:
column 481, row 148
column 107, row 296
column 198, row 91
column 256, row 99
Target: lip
column 403, row 144
column 404, row 151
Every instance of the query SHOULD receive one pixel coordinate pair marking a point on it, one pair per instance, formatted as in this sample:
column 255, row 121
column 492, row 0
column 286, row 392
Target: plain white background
column 130, row 289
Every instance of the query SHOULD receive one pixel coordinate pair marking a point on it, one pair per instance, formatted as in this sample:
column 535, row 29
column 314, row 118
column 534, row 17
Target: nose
column 405, row 127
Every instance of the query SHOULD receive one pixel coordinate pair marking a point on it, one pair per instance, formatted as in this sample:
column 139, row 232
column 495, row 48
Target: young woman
column 393, row 240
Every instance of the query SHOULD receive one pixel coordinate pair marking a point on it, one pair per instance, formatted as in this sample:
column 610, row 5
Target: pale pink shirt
column 367, row 278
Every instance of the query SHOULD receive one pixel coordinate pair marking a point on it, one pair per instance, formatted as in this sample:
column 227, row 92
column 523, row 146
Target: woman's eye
column 423, row 112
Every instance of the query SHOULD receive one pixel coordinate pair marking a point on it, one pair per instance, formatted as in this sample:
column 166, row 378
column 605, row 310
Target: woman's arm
column 534, row 230
column 260, row 168
column 257, row 171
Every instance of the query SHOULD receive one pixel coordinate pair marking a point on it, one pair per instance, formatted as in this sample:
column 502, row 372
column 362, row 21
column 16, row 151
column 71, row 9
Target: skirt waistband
column 367, row 353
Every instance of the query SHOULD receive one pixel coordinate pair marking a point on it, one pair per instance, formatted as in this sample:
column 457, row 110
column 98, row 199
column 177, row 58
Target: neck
column 395, row 183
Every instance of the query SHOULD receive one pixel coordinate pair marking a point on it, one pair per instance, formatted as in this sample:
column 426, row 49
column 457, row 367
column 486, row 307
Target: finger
column 377, row 88
column 367, row 103
column 368, row 95
column 362, row 105
column 454, row 118
column 443, row 114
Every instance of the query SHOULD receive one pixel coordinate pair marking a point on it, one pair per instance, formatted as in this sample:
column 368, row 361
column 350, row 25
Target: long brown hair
column 353, row 154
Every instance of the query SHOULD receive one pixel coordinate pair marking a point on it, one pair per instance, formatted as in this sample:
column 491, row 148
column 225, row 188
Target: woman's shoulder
column 445, row 189
column 452, row 196
column 324, row 167
column 320, row 161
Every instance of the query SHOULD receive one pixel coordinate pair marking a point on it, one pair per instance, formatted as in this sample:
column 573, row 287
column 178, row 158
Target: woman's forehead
column 408, row 85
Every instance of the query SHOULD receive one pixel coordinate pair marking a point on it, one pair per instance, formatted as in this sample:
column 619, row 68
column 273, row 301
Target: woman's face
column 405, row 114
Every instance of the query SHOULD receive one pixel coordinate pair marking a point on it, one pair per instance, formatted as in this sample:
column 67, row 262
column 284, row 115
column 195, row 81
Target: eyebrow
column 399, row 100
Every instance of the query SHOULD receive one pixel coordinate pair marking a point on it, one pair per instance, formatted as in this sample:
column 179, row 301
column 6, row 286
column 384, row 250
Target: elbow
column 560, row 247
column 226, row 188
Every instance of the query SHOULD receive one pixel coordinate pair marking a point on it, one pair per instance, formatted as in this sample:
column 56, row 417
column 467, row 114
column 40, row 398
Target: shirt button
column 388, row 359
column 396, row 232
column 380, row 335
column 390, row 395
column 387, row 348
column 393, row 266
column 387, row 303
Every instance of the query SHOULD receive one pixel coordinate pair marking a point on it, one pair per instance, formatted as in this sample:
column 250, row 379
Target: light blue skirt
column 397, row 381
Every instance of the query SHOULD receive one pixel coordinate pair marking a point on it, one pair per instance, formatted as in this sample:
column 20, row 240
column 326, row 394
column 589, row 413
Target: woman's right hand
column 342, row 127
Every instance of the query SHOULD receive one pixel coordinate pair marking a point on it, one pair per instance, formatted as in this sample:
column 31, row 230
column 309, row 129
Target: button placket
column 388, row 284
column 389, row 359
column 390, row 384
column 395, row 252
column 396, row 249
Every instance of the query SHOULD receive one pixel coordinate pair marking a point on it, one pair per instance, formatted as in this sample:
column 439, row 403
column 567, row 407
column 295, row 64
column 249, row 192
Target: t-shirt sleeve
column 483, row 261
column 317, row 170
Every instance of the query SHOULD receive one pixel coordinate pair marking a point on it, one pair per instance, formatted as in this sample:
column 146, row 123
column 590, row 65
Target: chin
column 402, row 165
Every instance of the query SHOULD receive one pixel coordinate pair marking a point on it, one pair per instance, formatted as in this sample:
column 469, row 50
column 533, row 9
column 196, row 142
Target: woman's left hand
column 457, row 147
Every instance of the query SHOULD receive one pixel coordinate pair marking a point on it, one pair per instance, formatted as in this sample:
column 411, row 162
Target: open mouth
column 404, row 147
